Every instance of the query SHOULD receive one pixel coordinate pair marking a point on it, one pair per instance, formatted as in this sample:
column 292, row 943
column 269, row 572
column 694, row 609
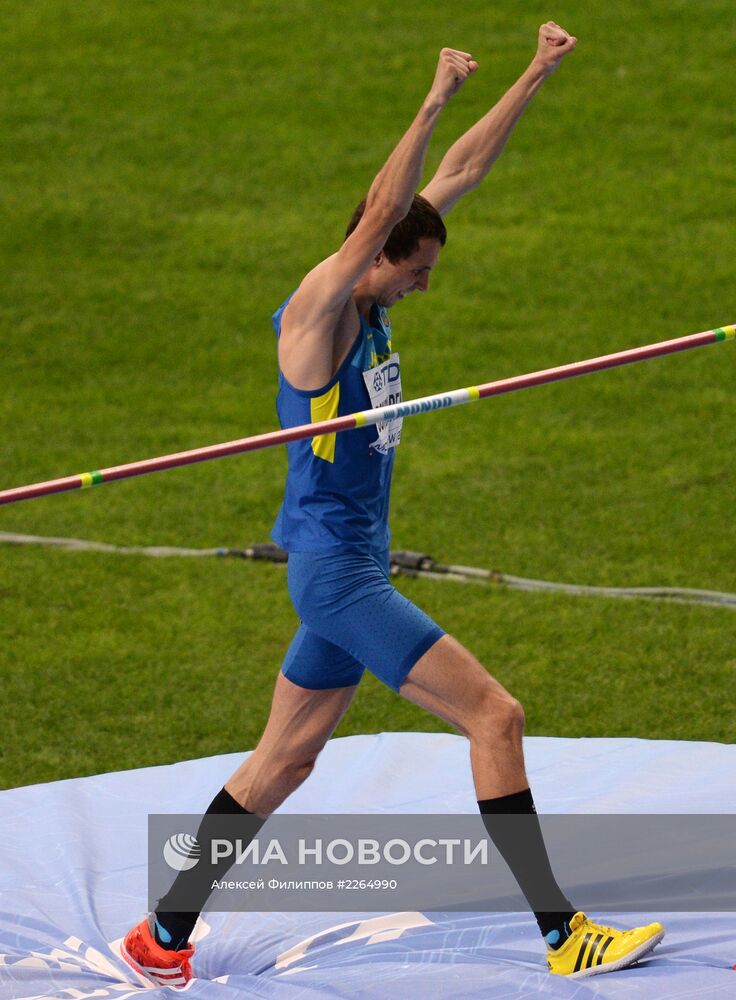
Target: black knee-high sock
column 173, row 925
column 527, row 858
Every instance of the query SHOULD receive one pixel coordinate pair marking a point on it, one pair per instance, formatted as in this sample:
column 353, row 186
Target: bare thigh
column 301, row 721
column 449, row 682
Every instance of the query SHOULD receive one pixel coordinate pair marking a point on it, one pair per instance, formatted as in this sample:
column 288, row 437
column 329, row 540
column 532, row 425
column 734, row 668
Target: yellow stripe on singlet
column 325, row 408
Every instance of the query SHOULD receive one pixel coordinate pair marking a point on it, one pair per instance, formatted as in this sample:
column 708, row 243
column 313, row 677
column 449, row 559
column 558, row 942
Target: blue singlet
column 337, row 486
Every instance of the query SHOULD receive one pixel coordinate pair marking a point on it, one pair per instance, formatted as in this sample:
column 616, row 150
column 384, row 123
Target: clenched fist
column 553, row 45
column 453, row 69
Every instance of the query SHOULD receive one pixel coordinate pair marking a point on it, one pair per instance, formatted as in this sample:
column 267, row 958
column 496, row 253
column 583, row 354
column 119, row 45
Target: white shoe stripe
column 171, row 982
column 175, row 970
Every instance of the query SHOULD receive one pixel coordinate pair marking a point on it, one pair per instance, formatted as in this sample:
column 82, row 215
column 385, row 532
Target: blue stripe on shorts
column 352, row 619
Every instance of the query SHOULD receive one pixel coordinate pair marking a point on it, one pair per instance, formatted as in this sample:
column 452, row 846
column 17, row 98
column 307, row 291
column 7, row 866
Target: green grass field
column 170, row 171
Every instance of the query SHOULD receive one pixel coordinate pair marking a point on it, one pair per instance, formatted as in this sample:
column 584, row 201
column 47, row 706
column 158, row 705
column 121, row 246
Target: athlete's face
column 408, row 275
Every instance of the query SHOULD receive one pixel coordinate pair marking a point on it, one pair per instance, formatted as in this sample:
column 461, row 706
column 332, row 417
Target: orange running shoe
column 144, row 954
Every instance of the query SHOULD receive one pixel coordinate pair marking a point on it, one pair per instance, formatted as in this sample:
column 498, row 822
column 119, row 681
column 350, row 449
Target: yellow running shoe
column 593, row 948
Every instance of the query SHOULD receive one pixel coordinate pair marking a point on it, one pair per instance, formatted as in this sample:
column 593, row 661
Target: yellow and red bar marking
column 424, row 404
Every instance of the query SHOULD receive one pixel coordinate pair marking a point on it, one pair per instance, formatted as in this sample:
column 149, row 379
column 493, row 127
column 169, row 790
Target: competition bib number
column 384, row 387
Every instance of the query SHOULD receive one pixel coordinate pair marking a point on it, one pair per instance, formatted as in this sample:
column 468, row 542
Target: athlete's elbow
column 472, row 177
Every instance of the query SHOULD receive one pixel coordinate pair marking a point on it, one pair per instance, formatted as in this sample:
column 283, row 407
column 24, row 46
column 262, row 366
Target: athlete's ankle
column 557, row 936
column 172, row 930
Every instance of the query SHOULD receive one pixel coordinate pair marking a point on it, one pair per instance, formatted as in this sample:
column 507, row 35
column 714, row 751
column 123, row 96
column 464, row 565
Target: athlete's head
column 409, row 254
column 423, row 221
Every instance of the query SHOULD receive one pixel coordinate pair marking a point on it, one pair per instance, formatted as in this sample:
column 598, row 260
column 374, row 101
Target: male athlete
column 336, row 357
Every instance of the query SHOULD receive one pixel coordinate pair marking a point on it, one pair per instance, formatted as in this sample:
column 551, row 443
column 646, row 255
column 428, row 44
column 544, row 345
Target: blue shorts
column 352, row 618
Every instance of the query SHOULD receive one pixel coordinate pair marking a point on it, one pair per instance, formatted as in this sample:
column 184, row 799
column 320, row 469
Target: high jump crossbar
column 365, row 418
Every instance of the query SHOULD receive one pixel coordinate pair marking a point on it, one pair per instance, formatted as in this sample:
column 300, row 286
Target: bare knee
column 264, row 781
column 499, row 716
column 516, row 715
column 291, row 766
column 299, row 768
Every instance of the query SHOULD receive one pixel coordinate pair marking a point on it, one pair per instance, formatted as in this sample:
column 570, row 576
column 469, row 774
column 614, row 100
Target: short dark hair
column 422, row 221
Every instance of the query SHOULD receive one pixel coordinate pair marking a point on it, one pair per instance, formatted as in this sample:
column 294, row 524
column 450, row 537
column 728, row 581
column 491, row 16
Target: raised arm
column 468, row 161
column 306, row 344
